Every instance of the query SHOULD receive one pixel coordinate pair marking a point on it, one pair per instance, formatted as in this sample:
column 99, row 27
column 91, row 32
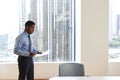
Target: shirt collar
column 26, row 33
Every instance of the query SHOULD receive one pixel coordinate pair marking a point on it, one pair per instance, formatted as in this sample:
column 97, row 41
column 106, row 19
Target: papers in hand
column 44, row 53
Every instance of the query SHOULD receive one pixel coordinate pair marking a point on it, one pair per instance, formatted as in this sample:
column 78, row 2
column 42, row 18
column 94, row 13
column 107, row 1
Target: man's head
column 29, row 27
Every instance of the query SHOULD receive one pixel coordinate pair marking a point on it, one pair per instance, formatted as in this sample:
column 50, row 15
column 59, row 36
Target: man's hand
column 39, row 52
column 32, row 54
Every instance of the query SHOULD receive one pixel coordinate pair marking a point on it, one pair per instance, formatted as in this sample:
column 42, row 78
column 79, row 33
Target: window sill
column 39, row 62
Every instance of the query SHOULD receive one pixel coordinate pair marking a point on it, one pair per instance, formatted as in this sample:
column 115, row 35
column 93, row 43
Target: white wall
column 114, row 68
column 42, row 70
column 8, row 71
column 95, row 36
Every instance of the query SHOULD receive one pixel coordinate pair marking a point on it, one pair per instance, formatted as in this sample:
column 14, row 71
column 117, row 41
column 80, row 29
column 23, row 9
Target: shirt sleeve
column 17, row 48
column 34, row 50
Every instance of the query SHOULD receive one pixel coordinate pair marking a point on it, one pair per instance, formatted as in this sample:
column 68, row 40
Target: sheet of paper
column 44, row 53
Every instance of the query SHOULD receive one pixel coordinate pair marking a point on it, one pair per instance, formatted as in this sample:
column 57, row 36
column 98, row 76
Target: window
column 114, row 31
column 54, row 29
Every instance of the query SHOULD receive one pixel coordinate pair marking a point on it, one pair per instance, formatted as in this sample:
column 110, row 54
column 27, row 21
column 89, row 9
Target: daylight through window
column 54, row 30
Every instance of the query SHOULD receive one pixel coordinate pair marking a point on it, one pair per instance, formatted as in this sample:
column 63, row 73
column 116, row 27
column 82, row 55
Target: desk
column 87, row 78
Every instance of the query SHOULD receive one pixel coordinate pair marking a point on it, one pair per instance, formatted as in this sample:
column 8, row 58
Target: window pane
column 54, row 28
column 61, row 30
column 9, row 29
column 114, row 31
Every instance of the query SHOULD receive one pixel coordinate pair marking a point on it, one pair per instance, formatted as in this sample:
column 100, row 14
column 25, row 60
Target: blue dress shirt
column 22, row 44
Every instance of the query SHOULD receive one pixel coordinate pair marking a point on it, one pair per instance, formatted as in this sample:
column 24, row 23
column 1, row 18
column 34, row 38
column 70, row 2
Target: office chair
column 71, row 69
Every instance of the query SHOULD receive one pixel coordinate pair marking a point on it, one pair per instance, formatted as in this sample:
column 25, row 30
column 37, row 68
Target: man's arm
column 39, row 52
column 32, row 54
column 17, row 48
column 35, row 51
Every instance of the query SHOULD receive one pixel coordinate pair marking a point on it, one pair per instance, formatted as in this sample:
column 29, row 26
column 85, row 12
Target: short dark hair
column 29, row 23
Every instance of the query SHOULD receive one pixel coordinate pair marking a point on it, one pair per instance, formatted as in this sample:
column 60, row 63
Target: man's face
column 31, row 29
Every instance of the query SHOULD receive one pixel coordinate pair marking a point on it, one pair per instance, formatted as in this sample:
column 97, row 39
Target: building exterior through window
column 54, row 30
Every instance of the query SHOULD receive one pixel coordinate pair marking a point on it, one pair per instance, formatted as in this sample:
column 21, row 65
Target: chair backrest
column 71, row 69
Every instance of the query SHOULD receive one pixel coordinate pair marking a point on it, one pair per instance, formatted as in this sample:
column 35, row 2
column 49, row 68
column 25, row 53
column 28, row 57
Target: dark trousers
column 26, row 68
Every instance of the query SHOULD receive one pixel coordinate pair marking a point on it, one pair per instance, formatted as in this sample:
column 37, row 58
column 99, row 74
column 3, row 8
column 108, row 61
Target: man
column 25, row 51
